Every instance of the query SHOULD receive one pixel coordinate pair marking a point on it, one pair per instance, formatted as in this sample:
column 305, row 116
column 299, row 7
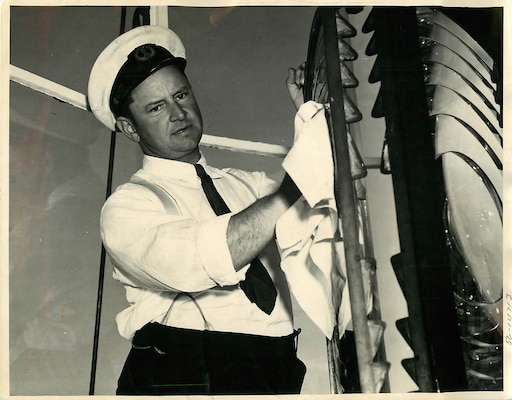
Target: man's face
column 167, row 118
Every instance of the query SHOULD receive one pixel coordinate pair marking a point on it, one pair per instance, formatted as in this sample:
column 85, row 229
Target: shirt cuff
column 213, row 250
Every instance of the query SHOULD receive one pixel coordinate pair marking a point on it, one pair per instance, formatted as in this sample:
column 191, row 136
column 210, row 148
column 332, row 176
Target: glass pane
column 56, row 192
column 58, row 168
column 55, row 42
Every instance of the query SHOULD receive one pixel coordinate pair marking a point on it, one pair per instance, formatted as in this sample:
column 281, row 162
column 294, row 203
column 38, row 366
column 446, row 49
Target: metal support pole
column 346, row 203
column 99, row 301
column 158, row 15
column 101, row 276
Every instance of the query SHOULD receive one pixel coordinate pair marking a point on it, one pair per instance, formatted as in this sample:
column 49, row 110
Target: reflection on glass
column 473, row 231
column 348, row 79
column 475, row 223
column 343, row 27
column 352, row 113
column 448, row 102
column 452, row 135
column 55, row 198
column 460, row 94
column 346, row 53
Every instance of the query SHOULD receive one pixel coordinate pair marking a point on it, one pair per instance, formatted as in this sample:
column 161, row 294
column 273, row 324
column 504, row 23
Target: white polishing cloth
column 313, row 263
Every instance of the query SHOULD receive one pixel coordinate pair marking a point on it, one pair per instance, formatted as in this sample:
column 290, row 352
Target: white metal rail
column 79, row 100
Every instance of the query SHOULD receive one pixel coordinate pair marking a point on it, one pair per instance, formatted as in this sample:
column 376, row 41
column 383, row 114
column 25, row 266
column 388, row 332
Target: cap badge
column 144, row 53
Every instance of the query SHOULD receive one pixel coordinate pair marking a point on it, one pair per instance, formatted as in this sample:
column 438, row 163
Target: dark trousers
column 167, row 360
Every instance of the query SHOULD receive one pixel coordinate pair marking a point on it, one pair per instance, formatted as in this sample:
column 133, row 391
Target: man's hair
column 124, row 108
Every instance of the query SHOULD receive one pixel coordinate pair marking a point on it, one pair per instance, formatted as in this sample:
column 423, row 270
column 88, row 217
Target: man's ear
column 127, row 127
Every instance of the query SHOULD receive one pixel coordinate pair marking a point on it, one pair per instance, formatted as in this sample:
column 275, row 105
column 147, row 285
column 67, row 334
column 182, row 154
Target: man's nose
column 176, row 112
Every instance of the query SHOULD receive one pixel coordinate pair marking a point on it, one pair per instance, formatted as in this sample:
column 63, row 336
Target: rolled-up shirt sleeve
column 161, row 251
column 214, row 252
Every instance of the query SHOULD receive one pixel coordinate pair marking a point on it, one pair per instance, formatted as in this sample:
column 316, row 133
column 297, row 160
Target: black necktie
column 258, row 285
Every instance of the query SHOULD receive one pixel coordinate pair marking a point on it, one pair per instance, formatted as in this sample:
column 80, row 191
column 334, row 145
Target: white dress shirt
column 158, row 254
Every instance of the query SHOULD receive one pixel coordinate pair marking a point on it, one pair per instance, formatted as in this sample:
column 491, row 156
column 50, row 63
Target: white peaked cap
column 110, row 61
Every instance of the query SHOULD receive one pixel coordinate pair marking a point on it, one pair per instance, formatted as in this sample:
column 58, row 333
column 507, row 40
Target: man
column 198, row 320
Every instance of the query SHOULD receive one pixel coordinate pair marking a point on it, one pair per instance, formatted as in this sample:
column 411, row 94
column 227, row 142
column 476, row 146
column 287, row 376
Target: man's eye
column 181, row 96
column 156, row 108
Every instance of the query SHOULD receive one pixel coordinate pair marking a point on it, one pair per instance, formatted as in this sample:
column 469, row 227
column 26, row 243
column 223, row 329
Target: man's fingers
column 291, row 79
column 295, row 83
column 302, row 74
column 298, row 77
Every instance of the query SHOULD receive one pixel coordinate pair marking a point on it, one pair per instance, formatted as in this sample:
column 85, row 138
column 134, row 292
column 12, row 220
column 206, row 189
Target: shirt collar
column 176, row 169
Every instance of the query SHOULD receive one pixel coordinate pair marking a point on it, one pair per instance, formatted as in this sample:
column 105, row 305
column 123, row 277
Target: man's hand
column 295, row 84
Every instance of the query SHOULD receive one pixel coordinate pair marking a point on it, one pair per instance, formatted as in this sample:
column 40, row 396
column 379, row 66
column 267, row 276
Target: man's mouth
column 181, row 130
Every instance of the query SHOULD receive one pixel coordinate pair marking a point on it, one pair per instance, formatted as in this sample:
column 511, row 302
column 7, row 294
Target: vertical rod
column 333, row 363
column 345, row 202
column 99, row 301
column 101, row 277
column 376, row 312
column 158, row 15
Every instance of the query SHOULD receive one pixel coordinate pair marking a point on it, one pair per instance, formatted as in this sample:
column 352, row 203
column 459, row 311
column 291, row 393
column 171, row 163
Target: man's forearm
column 250, row 230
